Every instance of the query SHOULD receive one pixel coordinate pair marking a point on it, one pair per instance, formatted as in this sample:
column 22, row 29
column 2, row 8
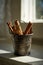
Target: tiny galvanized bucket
column 22, row 44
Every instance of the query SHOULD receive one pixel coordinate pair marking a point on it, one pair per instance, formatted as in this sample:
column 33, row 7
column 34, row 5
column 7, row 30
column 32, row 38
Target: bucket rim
column 24, row 34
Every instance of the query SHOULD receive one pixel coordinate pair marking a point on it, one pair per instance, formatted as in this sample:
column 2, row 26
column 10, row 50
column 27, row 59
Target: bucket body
column 22, row 44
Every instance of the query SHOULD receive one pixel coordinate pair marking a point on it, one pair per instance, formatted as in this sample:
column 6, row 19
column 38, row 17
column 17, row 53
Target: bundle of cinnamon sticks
column 16, row 28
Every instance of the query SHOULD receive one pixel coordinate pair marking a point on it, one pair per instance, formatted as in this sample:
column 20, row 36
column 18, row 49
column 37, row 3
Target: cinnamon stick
column 10, row 26
column 28, row 28
column 18, row 28
column 30, row 31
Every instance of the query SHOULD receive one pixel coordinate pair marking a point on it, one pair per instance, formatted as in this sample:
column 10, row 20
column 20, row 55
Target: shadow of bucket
column 22, row 44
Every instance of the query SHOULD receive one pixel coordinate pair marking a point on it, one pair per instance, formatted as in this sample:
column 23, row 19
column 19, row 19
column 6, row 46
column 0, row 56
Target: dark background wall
column 5, row 37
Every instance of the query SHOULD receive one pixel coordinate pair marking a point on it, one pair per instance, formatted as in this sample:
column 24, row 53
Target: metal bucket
column 22, row 44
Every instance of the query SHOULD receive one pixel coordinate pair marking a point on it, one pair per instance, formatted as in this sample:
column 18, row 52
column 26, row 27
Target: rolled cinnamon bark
column 14, row 29
column 10, row 26
column 30, row 31
column 18, row 28
column 28, row 28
